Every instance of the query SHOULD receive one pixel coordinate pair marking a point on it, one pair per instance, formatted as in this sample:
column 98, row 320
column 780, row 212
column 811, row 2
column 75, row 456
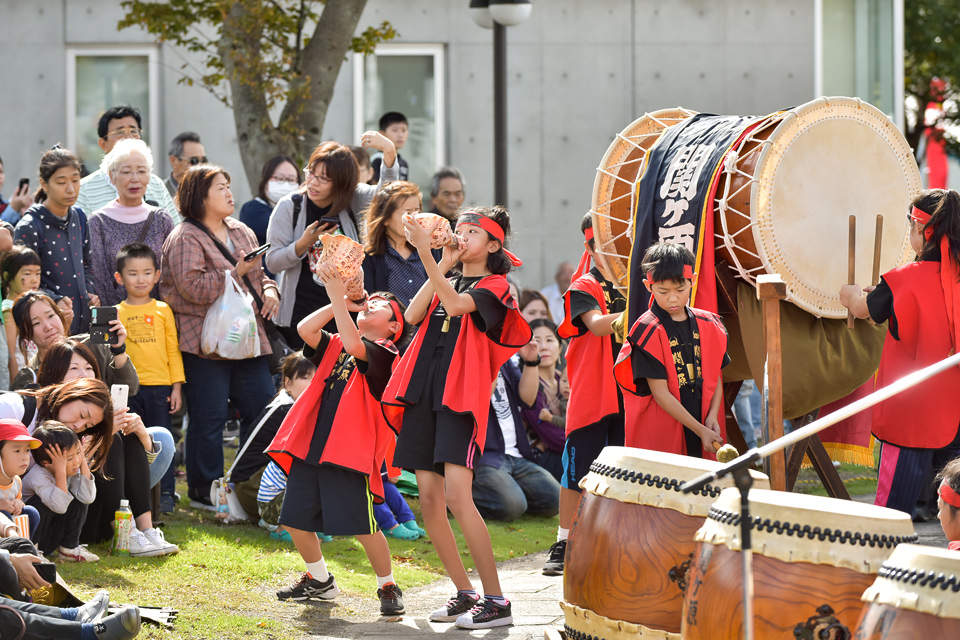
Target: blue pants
column 210, row 384
column 748, row 411
column 394, row 508
column 519, row 486
column 32, row 514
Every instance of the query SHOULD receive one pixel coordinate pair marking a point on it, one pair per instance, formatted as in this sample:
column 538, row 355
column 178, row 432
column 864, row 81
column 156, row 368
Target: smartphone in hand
column 100, row 326
column 259, row 251
column 119, row 396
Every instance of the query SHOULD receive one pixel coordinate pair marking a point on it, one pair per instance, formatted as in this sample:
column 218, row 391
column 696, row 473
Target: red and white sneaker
column 77, row 554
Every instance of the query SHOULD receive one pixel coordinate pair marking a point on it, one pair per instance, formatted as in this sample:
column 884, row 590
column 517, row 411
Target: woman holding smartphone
column 330, row 201
column 203, row 250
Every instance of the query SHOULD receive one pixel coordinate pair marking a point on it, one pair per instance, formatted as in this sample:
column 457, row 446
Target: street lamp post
column 500, row 14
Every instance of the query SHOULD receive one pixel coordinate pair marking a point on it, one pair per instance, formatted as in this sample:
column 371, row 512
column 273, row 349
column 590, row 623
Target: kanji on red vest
column 647, row 425
column 359, row 437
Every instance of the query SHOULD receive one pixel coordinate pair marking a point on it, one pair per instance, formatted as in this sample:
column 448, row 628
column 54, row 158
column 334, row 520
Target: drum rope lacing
column 806, row 531
column 920, row 577
column 660, row 482
column 573, row 634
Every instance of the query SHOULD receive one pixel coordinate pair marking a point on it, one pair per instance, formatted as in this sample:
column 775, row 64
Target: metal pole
column 499, row 113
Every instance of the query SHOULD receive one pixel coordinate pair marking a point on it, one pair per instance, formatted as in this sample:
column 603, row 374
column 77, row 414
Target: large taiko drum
column 614, row 190
column 813, row 558
column 631, row 544
column 784, row 195
column 916, row 595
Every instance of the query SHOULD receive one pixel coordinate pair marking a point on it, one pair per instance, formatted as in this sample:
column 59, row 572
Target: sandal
column 400, row 532
column 281, row 535
column 413, row 526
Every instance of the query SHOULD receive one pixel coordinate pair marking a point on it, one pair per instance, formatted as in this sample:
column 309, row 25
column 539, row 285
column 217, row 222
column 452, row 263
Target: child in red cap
column 15, row 445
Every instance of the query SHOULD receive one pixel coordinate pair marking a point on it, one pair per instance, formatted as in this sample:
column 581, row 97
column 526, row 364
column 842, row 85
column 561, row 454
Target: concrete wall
column 579, row 72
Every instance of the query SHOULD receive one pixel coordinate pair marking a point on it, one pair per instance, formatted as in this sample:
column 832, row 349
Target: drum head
column 614, row 189
column 828, row 159
column 795, row 527
column 653, row 478
column 918, row 578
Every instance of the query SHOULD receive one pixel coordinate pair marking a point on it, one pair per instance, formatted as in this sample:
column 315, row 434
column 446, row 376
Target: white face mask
column 276, row 190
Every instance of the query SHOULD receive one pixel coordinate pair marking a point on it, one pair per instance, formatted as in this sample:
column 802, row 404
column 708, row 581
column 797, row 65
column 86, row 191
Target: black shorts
column 431, row 436
column 584, row 445
column 326, row 498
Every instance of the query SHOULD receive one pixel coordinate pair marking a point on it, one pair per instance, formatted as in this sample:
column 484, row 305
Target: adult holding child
column 137, row 459
column 329, row 202
column 198, row 256
column 127, row 218
column 57, row 231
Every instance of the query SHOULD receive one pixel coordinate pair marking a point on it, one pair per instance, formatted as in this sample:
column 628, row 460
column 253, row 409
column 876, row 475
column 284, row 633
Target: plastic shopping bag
column 230, row 328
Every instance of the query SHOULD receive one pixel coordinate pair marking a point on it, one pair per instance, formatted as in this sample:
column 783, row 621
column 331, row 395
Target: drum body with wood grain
column 631, row 543
column 813, row 558
column 916, row 595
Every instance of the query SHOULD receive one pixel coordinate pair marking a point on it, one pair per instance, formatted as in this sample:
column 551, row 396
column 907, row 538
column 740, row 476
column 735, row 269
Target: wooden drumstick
column 877, row 237
column 852, row 262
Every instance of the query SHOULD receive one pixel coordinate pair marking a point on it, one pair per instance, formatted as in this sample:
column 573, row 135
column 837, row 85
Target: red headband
column 921, row 216
column 949, row 495
column 490, row 227
column 687, row 274
column 396, row 314
column 588, row 234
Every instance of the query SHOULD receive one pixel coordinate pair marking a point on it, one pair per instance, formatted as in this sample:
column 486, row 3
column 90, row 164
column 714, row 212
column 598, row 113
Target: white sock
column 318, row 570
column 562, row 533
column 387, row 579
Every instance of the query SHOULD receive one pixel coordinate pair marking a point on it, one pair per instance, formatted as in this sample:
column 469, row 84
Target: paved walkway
column 535, row 602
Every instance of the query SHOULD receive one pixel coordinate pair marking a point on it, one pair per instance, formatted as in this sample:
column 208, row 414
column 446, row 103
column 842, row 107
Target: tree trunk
column 257, row 138
column 323, row 57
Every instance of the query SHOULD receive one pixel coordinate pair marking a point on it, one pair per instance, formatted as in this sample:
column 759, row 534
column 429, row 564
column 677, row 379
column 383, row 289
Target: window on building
column 861, row 52
column 100, row 78
column 408, row 78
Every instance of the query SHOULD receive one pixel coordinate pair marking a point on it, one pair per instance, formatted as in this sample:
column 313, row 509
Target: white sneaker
column 77, row 554
column 140, row 547
column 155, row 536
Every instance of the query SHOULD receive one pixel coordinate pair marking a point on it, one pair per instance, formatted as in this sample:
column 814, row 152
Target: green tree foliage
column 262, row 55
column 932, row 50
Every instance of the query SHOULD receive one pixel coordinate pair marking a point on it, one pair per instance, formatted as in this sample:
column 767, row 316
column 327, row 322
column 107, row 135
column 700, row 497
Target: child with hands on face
column 334, row 440
column 15, row 445
column 60, row 486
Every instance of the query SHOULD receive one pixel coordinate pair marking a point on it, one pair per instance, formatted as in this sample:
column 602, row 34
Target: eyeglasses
column 284, row 179
column 125, row 132
column 143, row 174
column 194, row 160
column 310, row 175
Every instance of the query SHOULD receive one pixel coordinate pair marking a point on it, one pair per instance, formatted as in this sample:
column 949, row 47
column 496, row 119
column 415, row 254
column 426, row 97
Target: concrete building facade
column 579, row 71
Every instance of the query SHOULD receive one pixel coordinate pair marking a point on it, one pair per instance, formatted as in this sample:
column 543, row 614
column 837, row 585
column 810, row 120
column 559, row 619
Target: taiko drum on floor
column 916, row 595
column 631, row 543
column 813, row 558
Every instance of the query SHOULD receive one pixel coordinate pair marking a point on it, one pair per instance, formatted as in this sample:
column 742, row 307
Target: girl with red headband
column 595, row 410
column 949, row 503
column 671, row 361
column 918, row 428
column 334, row 439
column 438, row 399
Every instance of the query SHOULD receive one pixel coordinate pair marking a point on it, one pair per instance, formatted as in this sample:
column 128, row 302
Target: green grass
column 224, row 578
column 858, row 480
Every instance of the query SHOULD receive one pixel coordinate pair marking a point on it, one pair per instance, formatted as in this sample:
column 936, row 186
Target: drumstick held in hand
column 852, row 262
column 877, row 237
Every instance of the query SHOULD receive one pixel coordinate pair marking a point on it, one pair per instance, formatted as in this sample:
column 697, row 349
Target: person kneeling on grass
column 335, row 438
column 60, row 486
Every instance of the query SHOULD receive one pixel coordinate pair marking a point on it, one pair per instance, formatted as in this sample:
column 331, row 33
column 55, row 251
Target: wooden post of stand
column 851, row 262
column 771, row 289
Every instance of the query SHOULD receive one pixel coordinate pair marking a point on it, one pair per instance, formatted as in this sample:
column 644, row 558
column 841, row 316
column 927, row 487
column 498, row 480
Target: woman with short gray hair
column 127, row 219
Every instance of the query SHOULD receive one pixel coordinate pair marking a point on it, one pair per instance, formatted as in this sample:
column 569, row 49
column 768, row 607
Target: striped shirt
column 96, row 192
column 272, row 483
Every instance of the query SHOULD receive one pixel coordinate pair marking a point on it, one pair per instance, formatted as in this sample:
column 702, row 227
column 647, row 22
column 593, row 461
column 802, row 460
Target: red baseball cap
column 14, row 430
